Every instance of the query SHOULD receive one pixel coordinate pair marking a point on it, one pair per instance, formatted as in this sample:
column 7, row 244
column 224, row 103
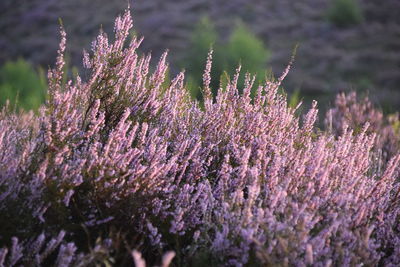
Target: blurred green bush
column 243, row 47
column 345, row 13
column 22, row 85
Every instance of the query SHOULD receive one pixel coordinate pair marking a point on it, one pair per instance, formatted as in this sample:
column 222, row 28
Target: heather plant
column 354, row 112
column 121, row 168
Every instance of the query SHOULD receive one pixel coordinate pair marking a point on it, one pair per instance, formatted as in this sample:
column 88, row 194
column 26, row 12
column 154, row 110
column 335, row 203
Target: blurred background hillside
column 343, row 44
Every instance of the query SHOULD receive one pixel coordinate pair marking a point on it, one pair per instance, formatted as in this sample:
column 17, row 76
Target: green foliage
column 345, row 13
column 22, row 85
column 294, row 99
column 243, row 47
column 246, row 48
column 203, row 38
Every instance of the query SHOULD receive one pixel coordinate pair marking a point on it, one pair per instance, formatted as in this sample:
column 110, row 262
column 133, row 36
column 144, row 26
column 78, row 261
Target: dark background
column 330, row 58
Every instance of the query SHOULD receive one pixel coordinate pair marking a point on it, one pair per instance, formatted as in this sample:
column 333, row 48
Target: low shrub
column 350, row 111
column 243, row 47
column 121, row 163
column 345, row 13
column 21, row 85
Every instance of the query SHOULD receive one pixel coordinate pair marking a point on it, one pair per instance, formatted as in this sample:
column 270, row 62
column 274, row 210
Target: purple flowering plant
column 124, row 167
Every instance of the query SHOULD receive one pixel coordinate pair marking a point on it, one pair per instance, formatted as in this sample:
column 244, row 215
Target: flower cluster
column 349, row 111
column 125, row 161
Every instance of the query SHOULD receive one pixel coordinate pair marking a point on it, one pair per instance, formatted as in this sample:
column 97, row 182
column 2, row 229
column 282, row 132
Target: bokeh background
column 342, row 44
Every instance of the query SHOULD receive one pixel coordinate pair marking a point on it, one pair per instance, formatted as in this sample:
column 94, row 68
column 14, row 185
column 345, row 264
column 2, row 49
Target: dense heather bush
column 121, row 163
column 349, row 111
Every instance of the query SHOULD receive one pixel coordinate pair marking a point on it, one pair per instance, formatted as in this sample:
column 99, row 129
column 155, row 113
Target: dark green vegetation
column 242, row 47
column 22, row 85
column 345, row 13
